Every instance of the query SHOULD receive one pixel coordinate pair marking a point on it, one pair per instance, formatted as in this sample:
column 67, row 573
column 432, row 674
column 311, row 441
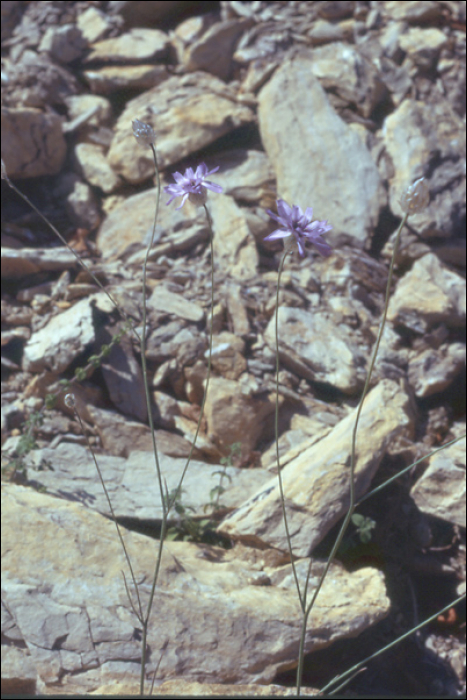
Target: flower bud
column 70, row 401
column 416, row 197
column 143, row 133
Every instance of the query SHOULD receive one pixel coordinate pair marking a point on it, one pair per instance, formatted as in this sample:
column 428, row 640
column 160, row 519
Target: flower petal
column 322, row 247
column 212, row 186
column 278, row 233
column 185, row 196
column 284, row 210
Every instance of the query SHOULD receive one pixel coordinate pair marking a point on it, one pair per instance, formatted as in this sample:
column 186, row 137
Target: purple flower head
column 190, row 185
column 294, row 222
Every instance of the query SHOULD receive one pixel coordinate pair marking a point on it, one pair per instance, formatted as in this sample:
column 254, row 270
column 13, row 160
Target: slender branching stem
column 276, row 427
column 143, row 336
column 352, row 461
column 139, row 613
column 208, row 376
column 167, row 506
column 151, row 427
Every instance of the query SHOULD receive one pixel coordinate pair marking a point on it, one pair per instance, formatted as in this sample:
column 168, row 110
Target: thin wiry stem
column 208, row 376
column 167, row 507
column 276, row 427
column 352, row 462
column 122, row 541
column 151, row 427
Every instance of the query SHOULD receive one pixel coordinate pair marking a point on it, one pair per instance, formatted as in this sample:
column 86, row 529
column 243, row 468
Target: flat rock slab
column 219, row 616
column 316, row 483
column 69, row 472
column 440, row 491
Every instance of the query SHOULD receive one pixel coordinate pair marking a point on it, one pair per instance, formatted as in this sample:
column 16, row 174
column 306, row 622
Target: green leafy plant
column 363, row 527
column 189, row 529
column 15, row 469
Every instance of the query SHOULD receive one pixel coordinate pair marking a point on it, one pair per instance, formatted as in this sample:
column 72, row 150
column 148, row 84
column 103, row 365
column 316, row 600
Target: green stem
column 352, row 461
column 276, row 426
column 139, row 614
column 151, row 425
column 208, row 216
column 166, row 509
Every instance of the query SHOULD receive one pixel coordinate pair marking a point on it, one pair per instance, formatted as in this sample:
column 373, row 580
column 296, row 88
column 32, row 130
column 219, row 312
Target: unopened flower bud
column 416, row 197
column 70, row 401
column 143, row 133
column 198, row 198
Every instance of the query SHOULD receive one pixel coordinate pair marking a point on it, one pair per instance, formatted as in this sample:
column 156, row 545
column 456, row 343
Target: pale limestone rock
column 418, row 134
column 132, row 483
column 423, row 46
column 95, row 168
column 124, row 378
column 212, row 52
column 97, row 107
column 235, row 250
column 316, row 483
column 236, row 310
column 83, row 206
column 108, row 79
column 300, row 129
column 32, row 142
column 413, row 11
column 313, row 347
column 440, row 491
column 129, row 226
column 428, row 295
column 120, row 436
column 175, row 304
column 19, row 675
column 244, row 174
column 173, row 342
column 234, row 414
column 304, row 432
column 187, row 113
column 178, row 687
column 93, row 24
column 64, row 44
column 62, row 339
column 227, row 355
column 433, row 370
column 21, row 262
column 343, row 70
column 68, row 599
column 139, row 45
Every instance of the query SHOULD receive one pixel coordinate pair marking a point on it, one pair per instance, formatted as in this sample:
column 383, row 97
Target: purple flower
column 293, row 221
column 190, row 185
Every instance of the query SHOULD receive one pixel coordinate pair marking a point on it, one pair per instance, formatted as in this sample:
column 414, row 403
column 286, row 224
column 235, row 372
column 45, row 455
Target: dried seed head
column 143, row 133
column 416, row 197
column 70, row 401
